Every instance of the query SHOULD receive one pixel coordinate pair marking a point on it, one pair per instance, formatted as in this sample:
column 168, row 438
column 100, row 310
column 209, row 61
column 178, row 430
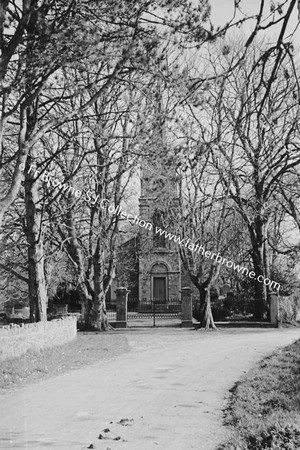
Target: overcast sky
column 222, row 12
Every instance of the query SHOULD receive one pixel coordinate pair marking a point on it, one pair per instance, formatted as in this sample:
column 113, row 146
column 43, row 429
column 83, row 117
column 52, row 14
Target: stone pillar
column 186, row 308
column 274, row 308
column 122, row 294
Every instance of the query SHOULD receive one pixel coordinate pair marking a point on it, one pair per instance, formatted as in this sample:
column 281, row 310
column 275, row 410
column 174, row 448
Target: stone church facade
column 149, row 264
column 159, row 261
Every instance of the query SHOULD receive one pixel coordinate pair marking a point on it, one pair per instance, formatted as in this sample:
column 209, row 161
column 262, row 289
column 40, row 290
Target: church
column 149, row 264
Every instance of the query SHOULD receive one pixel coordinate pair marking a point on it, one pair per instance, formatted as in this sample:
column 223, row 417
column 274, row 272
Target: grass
column 84, row 350
column 264, row 410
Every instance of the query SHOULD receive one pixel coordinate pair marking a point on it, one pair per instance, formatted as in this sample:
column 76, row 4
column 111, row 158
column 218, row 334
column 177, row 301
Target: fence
column 133, row 309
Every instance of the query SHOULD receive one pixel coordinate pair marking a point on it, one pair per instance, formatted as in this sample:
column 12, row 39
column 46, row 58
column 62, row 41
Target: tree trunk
column 260, row 294
column 77, row 257
column 207, row 320
column 259, row 287
column 267, row 275
column 85, row 299
column 36, row 276
column 15, row 184
column 99, row 316
column 99, row 319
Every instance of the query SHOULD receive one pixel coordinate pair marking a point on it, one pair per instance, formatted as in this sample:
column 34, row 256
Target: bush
column 218, row 308
column 288, row 309
column 276, row 437
column 286, row 276
column 66, row 295
column 232, row 306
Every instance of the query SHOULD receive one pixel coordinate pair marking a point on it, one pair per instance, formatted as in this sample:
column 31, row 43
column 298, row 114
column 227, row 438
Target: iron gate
column 154, row 312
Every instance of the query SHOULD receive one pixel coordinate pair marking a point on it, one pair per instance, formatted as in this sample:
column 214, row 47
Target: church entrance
column 158, row 309
column 160, row 289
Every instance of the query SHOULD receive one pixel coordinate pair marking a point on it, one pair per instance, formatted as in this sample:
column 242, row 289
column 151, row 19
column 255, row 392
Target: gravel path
column 167, row 393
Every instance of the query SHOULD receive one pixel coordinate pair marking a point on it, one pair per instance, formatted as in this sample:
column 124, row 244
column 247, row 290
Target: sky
column 222, row 11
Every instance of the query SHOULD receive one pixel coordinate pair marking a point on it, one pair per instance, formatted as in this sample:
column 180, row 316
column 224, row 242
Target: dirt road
column 167, row 393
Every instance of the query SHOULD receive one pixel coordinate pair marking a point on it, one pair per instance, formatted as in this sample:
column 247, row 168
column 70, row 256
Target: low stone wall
column 15, row 340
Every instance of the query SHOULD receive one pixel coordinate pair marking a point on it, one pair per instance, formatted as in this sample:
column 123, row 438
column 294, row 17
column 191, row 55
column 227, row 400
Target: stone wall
column 15, row 340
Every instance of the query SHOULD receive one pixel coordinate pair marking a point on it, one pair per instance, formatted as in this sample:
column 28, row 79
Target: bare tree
column 206, row 222
column 256, row 142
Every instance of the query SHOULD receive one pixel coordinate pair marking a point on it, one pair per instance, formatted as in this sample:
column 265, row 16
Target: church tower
column 159, row 260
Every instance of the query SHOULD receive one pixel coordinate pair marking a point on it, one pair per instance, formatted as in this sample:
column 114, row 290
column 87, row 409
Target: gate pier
column 186, row 308
column 122, row 296
column 155, row 312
